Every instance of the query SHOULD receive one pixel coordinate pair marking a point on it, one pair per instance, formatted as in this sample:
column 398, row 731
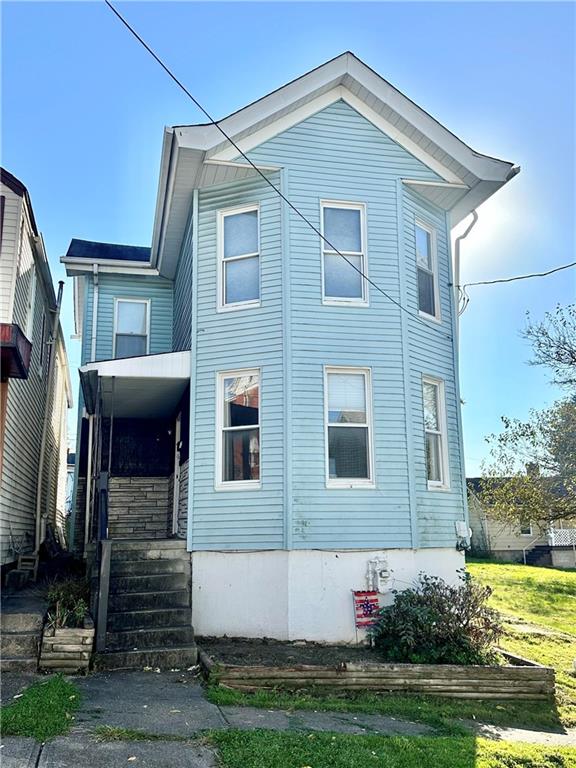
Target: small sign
column 366, row 607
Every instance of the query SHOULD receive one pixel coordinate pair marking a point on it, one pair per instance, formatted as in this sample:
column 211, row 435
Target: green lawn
column 544, row 598
column 44, row 710
column 266, row 749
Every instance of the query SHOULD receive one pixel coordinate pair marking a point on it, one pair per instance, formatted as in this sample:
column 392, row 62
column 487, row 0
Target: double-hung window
column 239, row 258
column 30, row 303
column 426, row 266
column 131, row 327
column 435, row 433
column 238, row 427
column 348, row 426
column 343, row 226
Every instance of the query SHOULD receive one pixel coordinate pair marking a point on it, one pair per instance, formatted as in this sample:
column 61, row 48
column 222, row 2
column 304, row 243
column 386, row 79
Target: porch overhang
column 144, row 387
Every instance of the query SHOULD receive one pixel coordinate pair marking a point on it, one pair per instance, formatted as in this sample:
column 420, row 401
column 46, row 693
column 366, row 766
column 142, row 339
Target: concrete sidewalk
column 172, row 705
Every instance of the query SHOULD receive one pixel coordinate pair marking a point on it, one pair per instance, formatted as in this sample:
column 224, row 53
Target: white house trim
column 131, row 300
column 221, row 306
column 364, row 301
column 444, row 484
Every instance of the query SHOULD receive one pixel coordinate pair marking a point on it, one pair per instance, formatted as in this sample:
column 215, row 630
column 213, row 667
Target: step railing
column 104, row 557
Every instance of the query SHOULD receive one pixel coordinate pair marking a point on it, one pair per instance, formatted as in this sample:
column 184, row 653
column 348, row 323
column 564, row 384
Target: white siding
column 9, row 251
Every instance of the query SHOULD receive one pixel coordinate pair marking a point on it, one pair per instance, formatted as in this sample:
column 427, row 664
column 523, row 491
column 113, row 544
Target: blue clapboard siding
column 183, row 293
column 160, row 292
column 247, row 338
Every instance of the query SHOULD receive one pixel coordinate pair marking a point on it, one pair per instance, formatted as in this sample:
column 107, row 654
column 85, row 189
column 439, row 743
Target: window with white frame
column 238, row 462
column 239, row 256
column 435, row 433
column 131, row 327
column 30, row 303
column 343, row 227
column 348, row 426
column 526, row 529
column 425, row 237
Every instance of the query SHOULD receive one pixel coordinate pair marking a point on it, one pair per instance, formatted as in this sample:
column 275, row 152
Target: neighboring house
column 294, row 424
column 35, row 394
column 529, row 543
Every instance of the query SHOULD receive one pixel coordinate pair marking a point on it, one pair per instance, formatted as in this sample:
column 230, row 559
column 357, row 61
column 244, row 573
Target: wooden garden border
column 520, row 679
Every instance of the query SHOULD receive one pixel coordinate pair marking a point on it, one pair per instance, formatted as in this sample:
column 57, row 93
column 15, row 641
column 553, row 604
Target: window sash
column 224, row 289
column 235, row 443
column 364, row 460
column 351, row 295
column 120, row 334
column 435, row 438
column 427, row 264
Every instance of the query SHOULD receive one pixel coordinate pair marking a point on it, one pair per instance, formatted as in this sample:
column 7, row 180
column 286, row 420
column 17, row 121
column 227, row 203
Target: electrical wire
column 521, row 277
column 266, row 179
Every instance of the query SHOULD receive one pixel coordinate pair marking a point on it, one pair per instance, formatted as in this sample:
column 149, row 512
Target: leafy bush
column 68, row 603
column 437, row 623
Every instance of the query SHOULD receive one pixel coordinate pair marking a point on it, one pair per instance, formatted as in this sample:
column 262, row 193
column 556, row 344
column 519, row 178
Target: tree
column 554, row 344
column 531, row 474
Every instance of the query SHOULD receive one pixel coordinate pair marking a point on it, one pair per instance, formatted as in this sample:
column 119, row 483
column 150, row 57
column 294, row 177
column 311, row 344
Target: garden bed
column 67, row 650
column 256, row 665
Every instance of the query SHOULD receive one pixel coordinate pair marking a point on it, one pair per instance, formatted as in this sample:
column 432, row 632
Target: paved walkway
column 172, row 704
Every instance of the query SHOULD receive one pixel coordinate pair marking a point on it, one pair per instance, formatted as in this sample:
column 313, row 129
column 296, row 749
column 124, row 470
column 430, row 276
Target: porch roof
column 144, row 387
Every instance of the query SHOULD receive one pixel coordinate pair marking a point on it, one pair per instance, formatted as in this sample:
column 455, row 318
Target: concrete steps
column 149, row 614
column 22, row 620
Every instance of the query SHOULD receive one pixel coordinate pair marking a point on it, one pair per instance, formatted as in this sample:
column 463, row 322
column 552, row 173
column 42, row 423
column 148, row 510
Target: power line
column 266, row 179
column 520, row 277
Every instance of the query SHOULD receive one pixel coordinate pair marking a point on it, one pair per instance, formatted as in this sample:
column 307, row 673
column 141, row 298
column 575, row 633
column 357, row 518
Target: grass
column 44, row 710
column 111, row 733
column 543, row 596
column 446, row 716
column 266, row 749
column 546, row 599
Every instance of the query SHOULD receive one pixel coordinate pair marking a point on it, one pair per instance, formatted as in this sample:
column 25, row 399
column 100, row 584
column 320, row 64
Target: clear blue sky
column 84, row 107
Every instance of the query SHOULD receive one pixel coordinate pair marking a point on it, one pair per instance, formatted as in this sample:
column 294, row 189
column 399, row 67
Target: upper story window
column 238, row 427
column 343, row 226
column 348, row 427
column 435, row 433
column 526, row 529
column 239, row 259
column 426, row 264
column 131, row 327
column 30, row 303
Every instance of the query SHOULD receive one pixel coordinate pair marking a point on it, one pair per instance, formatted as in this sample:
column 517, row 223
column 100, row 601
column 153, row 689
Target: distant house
column 248, row 392
column 529, row 543
column 31, row 396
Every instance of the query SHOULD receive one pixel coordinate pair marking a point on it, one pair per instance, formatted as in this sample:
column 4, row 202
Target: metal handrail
column 528, row 547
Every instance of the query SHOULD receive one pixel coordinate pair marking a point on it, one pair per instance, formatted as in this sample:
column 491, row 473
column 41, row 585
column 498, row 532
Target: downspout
column 457, row 269
column 47, row 414
column 94, row 312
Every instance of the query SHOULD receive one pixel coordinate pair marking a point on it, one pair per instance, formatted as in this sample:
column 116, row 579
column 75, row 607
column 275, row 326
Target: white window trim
column 234, row 485
column 436, row 318
column 117, row 300
column 220, row 283
column 353, row 482
column 444, row 483
column 335, row 300
column 530, row 532
column 31, row 305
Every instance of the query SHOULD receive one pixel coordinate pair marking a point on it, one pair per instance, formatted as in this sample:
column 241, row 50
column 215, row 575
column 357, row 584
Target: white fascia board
column 167, row 142
column 160, row 225
column 78, row 289
column 170, row 365
column 477, row 195
column 85, row 266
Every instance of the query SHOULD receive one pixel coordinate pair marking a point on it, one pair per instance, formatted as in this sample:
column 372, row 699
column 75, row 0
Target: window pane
column 130, row 345
column 423, row 247
column 348, row 452
column 242, row 280
column 240, row 234
column 241, row 401
column 342, row 227
column 430, row 407
column 433, row 463
column 241, row 455
column 346, row 398
column 341, row 280
column 426, row 301
column 131, row 317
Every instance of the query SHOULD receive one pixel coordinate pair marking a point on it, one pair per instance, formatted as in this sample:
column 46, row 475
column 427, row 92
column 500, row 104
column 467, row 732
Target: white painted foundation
column 300, row 594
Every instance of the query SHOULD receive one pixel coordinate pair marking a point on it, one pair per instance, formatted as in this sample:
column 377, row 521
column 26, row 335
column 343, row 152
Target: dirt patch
column 273, row 653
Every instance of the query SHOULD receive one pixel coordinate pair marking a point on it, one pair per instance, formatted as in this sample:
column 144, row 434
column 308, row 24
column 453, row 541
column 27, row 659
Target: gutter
column 457, row 268
column 94, row 312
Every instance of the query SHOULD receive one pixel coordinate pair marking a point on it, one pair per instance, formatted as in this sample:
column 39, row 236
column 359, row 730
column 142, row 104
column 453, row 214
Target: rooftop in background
column 88, row 249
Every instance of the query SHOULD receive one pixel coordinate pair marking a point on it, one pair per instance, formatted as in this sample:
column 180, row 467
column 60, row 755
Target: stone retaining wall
column 139, row 507
column 67, row 650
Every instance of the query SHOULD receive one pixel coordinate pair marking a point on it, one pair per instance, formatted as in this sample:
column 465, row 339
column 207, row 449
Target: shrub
column 437, row 623
column 67, row 603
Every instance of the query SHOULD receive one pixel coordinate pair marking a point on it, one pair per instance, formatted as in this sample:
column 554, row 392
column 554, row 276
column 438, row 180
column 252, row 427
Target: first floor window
column 343, row 228
column 435, row 433
column 526, row 529
column 131, row 328
column 239, row 246
column 348, row 426
column 425, row 238
column 239, row 417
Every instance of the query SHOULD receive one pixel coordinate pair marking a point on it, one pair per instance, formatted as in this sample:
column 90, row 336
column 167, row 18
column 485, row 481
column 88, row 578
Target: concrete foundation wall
column 139, row 507
column 301, row 594
column 563, row 557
